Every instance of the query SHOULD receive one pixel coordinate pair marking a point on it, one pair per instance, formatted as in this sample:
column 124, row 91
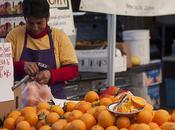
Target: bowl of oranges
column 128, row 105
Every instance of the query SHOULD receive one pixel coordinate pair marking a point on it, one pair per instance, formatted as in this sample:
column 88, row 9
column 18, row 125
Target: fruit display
column 128, row 105
column 89, row 114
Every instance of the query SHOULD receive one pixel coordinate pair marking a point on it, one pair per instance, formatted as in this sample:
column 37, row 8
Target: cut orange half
column 138, row 102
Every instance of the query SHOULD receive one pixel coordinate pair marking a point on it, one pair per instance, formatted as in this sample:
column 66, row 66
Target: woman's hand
column 31, row 68
column 43, row 77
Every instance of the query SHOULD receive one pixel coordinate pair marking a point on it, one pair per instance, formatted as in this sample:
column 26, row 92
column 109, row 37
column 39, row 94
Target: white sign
column 130, row 7
column 61, row 4
column 62, row 19
column 61, row 16
column 6, row 72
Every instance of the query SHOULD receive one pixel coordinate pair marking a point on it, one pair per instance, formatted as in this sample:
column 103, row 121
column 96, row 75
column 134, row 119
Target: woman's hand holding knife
column 41, row 76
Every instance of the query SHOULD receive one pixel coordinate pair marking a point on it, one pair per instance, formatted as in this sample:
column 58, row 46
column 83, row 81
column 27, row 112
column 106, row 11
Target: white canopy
column 125, row 7
column 130, row 7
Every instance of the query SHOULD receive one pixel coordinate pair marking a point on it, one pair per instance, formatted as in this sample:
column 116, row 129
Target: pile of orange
column 85, row 116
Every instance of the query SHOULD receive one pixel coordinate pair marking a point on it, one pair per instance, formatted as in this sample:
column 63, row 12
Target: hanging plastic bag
column 33, row 93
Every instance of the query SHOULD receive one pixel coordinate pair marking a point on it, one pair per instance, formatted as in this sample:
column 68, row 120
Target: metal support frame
column 111, row 48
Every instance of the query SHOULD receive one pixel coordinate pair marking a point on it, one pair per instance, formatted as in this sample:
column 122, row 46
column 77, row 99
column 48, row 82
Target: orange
column 144, row 117
column 168, row 126
column 14, row 114
column 148, row 107
column 161, row 116
column 138, row 101
column 97, row 127
column 31, row 117
column 57, row 109
column 83, row 106
column 66, row 114
column 106, row 119
column 4, row 129
column 112, row 98
column 28, row 110
column 43, row 105
column 173, row 117
column 98, row 110
column 66, row 127
column 142, row 126
column 59, row 125
column 95, row 103
column 52, row 117
column 9, row 123
column 40, row 123
column 32, row 128
column 91, row 111
column 123, row 129
column 43, row 112
column 45, row 127
column 77, row 125
column 69, row 106
column 91, row 96
column 89, row 120
column 105, row 101
column 19, row 119
column 112, row 128
column 75, row 114
column 153, row 125
column 123, row 122
column 157, row 128
column 23, row 125
column 132, row 126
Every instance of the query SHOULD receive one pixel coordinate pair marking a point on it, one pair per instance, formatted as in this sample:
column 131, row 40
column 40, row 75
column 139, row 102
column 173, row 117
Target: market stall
column 130, row 8
column 110, row 109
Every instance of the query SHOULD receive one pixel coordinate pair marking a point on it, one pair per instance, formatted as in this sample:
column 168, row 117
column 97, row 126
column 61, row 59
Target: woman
column 37, row 42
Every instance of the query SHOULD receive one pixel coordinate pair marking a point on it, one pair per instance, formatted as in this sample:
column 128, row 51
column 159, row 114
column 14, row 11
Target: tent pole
column 111, row 35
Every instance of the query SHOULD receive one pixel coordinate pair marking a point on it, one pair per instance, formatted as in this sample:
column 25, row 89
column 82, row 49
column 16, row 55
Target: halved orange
column 138, row 102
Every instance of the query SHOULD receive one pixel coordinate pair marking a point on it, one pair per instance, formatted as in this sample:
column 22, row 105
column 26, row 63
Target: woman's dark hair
column 35, row 8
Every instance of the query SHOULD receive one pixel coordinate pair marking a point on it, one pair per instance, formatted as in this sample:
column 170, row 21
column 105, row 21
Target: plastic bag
column 33, row 93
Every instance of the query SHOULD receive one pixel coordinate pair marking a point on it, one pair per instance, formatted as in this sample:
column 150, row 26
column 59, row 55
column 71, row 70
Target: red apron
column 47, row 57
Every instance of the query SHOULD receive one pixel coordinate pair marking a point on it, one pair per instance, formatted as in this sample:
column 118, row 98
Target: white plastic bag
column 33, row 93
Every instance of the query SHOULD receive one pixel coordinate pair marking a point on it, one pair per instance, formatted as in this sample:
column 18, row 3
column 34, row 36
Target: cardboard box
column 148, row 78
column 154, row 94
column 125, row 48
column 8, row 106
column 97, row 61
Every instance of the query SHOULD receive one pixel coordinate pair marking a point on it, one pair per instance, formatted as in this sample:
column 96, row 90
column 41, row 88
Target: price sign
column 6, row 72
column 61, row 16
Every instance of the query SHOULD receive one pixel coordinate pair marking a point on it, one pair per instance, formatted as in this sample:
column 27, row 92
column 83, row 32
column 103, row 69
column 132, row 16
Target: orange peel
column 138, row 102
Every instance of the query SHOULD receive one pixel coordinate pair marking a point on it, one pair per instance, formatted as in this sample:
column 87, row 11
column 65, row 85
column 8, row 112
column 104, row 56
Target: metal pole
column 111, row 48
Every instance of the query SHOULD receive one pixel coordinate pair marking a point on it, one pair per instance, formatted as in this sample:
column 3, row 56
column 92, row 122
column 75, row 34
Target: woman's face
column 36, row 25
